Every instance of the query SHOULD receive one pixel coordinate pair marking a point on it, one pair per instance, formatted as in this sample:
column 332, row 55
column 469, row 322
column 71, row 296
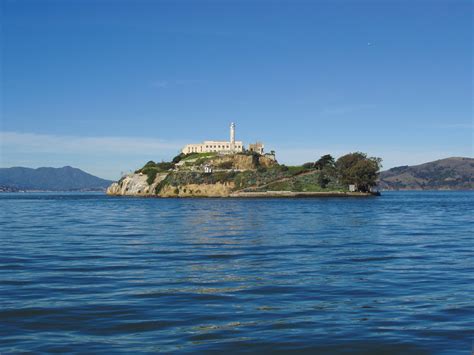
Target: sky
column 107, row 85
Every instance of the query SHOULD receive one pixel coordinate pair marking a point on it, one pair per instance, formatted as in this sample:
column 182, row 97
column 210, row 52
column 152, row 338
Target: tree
column 150, row 163
column 325, row 161
column 178, row 158
column 358, row 169
column 323, row 179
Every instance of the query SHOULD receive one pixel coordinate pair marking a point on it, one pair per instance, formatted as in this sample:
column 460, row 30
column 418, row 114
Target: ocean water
column 95, row 274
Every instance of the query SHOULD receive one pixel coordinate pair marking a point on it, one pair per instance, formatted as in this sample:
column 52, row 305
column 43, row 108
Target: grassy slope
column 295, row 179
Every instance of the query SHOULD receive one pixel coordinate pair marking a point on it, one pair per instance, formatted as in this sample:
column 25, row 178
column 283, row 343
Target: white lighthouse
column 232, row 136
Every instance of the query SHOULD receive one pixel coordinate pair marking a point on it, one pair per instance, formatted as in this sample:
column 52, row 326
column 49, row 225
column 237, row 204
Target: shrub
column 150, row 164
column 151, row 175
column 163, row 166
column 178, row 158
column 160, row 185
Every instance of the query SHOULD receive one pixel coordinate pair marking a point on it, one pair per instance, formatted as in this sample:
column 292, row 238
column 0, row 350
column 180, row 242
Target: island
column 228, row 169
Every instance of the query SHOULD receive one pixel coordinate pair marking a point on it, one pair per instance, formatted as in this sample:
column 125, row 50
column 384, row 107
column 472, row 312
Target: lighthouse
column 232, row 137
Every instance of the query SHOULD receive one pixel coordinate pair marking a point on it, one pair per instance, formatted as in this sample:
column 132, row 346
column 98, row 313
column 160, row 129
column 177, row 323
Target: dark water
column 93, row 274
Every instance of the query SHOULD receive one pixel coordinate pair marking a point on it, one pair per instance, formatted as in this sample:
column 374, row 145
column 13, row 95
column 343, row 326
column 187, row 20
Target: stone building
column 226, row 147
column 256, row 147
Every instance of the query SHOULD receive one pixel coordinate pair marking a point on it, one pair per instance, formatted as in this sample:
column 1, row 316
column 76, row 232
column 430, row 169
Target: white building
column 231, row 146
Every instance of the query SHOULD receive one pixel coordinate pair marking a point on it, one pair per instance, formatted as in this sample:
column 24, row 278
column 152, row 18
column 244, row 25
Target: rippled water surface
column 96, row 274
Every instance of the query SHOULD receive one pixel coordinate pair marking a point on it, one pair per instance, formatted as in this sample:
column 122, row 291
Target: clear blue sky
column 107, row 85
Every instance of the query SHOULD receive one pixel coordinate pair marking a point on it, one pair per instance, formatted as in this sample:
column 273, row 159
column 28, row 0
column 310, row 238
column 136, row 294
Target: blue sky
column 107, row 85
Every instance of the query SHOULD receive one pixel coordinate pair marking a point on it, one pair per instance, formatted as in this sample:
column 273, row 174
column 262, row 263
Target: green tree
column 149, row 164
column 323, row 179
column 358, row 169
column 178, row 158
column 325, row 161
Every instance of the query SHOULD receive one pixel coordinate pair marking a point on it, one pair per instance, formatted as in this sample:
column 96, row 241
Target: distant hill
column 445, row 174
column 49, row 179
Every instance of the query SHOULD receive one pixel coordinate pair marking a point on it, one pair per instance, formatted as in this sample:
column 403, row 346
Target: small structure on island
column 225, row 147
column 207, row 168
column 256, row 147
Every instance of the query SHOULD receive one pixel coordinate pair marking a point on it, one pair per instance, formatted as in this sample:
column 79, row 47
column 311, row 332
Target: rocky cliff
column 189, row 177
column 135, row 185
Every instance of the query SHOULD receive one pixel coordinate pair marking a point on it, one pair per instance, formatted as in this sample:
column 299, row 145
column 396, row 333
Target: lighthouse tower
column 232, row 137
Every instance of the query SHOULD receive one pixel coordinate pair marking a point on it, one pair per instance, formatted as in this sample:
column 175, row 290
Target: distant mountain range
column 49, row 179
column 445, row 174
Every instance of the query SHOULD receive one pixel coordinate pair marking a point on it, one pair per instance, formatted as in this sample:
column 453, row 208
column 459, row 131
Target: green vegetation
column 160, row 185
column 252, row 179
column 309, row 181
column 326, row 161
column 151, row 175
column 295, row 170
column 198, row 156
column 178, row 158
column 351, row 169
column 358, row 169
column 151, row 169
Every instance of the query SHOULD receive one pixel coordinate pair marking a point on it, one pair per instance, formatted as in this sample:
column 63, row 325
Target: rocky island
column 236, row 175
column 227, row 169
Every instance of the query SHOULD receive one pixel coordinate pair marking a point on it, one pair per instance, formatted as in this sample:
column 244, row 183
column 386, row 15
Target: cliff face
column 243, row 162
column 135, row 185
